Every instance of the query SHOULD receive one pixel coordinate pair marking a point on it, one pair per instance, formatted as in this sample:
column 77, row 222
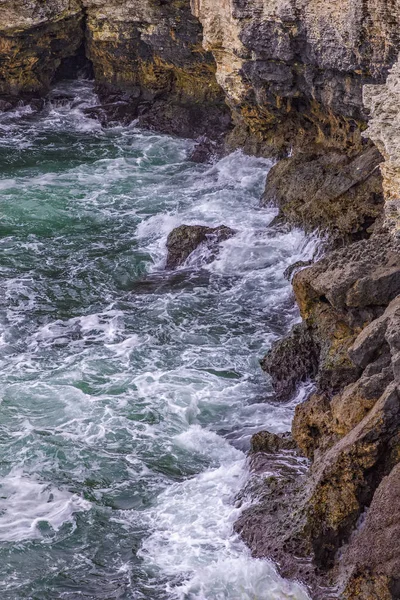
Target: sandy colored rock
column 35, row 37
column 312, row 425
column 294, row 71
column 345, row 478
column 271, row 443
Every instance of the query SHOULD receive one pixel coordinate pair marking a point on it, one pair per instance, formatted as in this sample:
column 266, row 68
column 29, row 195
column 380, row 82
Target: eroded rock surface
column 330, row 193
column 373, row 556
column 294, row 71
column 185, row 239
column 35, row 37
column 351, row 433
column 147, row 57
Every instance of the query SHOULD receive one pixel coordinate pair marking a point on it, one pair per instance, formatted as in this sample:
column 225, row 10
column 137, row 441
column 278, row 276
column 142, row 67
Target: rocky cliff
column 293, row 73
column 317, row 85
column 293, row 70
column 343, row 512
column 35, row 37
column 147, row 57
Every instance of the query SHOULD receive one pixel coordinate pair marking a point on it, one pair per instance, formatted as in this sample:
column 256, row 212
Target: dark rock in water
column 166, row 282
column 36, row 104
column 183, row 240
column 291, row 360
column 204, row 150
column 119, row 111
column 9, row 102
column 185, row 119
column 271, row 443
column 60, row 99
column 4, row 105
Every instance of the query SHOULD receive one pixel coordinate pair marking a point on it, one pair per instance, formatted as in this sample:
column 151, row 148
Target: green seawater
column 129, row 394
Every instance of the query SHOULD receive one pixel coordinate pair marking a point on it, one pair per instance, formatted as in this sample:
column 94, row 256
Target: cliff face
column 344, row 513
column 293, row 70
column 147, row 57
column 34, row 39
column 293, row 73
column 383, row 102
column 150, row 55
column 314, row 79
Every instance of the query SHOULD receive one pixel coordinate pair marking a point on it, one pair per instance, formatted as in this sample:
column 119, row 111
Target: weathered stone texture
column 185, row 239
column 34, row 39
column 294, row 70
column 147, row 56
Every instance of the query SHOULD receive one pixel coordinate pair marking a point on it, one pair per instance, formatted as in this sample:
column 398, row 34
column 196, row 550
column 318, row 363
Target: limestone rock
column 184, row 240
column 274, row 525
column 330, row 193
column 35, row 37
column 147, row 58
column 383, row 102
column 373, row 555
column 312, row 425
column 293, row 71
column 358, row 276
column 345, row 478
column 150, row 55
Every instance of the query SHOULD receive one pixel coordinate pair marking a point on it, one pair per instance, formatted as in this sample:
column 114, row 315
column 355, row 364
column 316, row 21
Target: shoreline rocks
column 185, row 239
column 297, row 81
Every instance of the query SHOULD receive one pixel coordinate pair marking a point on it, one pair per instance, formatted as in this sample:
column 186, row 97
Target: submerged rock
column 291, row 361
column 204, row 150
column 184, row 240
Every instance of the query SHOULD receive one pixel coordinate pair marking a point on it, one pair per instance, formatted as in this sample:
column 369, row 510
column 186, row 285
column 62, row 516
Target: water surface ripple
column 128, row 395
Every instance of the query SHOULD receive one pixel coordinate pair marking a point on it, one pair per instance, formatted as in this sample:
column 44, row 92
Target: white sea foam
column 192, row 533
column 31, row 509
column 140, row 387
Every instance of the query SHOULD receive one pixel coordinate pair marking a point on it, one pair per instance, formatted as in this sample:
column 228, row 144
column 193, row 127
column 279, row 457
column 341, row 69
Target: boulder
column 184, row 240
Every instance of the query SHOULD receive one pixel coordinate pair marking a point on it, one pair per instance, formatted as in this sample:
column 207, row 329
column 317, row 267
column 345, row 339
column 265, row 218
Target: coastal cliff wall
column 293, row 73
column 34, row 39
column 317, row 85
column 344, row 515
column 293, row 70
column 147, row 57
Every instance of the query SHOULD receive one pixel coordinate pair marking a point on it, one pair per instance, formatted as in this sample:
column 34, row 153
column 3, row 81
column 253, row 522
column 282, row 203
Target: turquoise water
column 128, row 394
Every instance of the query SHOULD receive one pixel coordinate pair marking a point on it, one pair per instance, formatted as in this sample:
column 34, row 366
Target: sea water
column 129, row 394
